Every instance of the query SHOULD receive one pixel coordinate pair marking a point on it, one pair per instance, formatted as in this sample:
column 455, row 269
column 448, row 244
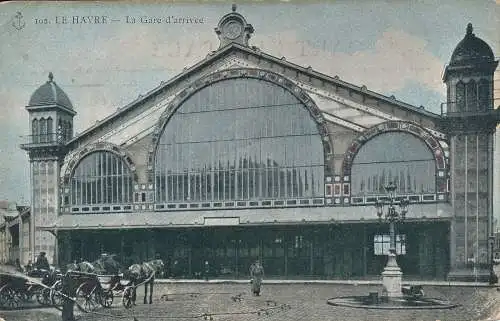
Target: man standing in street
column 256, row 273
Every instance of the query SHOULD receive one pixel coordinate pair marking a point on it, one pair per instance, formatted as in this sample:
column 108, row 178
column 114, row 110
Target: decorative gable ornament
column 233, row 28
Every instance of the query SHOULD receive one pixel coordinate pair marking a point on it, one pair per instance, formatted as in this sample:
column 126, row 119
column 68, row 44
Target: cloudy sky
column 394, row 47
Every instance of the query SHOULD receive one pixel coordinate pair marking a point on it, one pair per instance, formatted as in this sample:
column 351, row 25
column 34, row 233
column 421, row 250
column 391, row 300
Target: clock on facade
column 232, row 30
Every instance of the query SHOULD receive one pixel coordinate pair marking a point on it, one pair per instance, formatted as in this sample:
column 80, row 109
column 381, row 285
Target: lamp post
column 493, row 277
column 392, row 275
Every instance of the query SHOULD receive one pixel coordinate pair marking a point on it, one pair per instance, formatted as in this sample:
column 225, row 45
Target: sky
column 393, row 47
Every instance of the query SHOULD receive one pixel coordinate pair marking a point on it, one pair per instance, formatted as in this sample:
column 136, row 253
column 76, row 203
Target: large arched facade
column 240, row 138
column 397, row 151
column 99, row 178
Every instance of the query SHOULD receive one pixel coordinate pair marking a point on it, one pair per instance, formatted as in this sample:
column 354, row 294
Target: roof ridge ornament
column 233, row 28
column 51, row 77
column 469, row 30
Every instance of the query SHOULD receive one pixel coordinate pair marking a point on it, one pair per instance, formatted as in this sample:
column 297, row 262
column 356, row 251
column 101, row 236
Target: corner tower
column 51, row 126
column 470, row 121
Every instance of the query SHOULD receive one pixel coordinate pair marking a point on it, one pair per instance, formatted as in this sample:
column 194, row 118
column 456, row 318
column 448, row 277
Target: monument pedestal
column 392, row 278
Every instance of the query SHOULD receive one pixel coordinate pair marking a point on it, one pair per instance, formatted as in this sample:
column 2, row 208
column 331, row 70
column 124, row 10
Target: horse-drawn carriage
column 95, row 287
column 17, row 289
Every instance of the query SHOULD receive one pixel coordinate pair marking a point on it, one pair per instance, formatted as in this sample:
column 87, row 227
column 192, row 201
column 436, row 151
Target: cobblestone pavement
column 292, row 302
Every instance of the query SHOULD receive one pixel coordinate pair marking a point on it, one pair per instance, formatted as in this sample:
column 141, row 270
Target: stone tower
column 51, row 121
column 470, row 121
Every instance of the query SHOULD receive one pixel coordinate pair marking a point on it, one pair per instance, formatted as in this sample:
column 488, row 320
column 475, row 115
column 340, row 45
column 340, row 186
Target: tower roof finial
column 469, row 29
column 51, row 76
column 233, row 7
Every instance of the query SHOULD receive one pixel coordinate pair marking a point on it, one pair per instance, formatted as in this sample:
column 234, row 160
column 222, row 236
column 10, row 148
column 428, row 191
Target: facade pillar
column 21, row 241
column 365, row 250
column 311, row 255
column 285, row 247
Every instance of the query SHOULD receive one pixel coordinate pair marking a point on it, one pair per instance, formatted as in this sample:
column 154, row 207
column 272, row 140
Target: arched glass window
column 34, row 131
column 393, row 156
column 240, row 139
column 471, row 96
column 101, row 178
column 460, row 96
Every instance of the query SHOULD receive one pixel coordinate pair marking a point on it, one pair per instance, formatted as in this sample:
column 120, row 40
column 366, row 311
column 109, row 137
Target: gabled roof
column 234, row 47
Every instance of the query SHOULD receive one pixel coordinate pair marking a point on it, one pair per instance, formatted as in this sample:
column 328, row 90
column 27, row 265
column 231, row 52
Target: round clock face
column 233, row 30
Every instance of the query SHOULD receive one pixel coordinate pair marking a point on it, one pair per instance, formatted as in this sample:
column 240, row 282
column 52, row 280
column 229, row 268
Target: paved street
column 290, row 302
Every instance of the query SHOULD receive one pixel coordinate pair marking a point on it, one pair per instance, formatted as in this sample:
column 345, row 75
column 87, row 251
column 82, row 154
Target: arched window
column 67, row 127
column 101, row 178
column 460, row 97
column 471, row 95
column 43, row 130
column 393, row 156
column 483, row 94
column 35, row 131
column 240, row 139
column 50, row 131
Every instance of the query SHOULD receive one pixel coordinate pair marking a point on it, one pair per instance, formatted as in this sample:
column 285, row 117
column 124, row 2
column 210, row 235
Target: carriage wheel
column 106, row 298
column 127, row 297
column 25, row 295
column 10, row 297
column 55, row 294
column 85, row 299
column 91, row 302
column 43, row 296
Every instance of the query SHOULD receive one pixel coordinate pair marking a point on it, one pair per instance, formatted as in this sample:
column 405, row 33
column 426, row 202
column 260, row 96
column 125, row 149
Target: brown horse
column 144, row 273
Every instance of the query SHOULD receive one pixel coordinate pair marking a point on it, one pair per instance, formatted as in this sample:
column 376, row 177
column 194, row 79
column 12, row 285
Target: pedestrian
column 256, row 274
column 41, row 262
column 29, row 266
column 18, row 266
column 175, row 269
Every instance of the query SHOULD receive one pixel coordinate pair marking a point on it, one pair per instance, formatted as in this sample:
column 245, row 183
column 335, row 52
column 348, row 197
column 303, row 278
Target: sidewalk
column 11, row 269
column 338, row 282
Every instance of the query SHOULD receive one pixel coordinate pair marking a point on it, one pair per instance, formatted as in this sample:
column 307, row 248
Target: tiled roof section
column 245, row 216
column 50, row 94
column 471, row 49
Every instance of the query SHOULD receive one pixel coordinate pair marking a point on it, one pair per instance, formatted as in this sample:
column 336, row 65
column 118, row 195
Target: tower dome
column 50, row 94
column 471, row 50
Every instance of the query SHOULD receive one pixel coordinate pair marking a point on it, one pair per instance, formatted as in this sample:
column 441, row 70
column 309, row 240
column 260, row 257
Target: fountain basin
column 392, row 303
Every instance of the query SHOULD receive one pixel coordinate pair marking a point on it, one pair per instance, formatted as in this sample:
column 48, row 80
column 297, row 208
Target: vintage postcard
column 248, row 160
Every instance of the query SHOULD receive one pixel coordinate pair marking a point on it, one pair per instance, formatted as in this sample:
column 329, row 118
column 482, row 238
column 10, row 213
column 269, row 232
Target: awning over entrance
column 243, row 217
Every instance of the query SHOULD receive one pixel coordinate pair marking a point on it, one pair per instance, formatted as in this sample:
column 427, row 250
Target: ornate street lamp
column 392, row 275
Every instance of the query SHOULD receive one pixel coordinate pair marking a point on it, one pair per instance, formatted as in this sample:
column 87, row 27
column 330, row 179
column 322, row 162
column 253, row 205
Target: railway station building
column 245, row 155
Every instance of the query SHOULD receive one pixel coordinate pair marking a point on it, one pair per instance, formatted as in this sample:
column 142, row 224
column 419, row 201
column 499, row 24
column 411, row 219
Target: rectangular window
column 382, row 244
column 328, row 190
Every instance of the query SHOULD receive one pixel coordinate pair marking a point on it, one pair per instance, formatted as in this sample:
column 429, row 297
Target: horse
column 145, row 272
column 104, row 265
column 84, row 266
column 107, row 265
